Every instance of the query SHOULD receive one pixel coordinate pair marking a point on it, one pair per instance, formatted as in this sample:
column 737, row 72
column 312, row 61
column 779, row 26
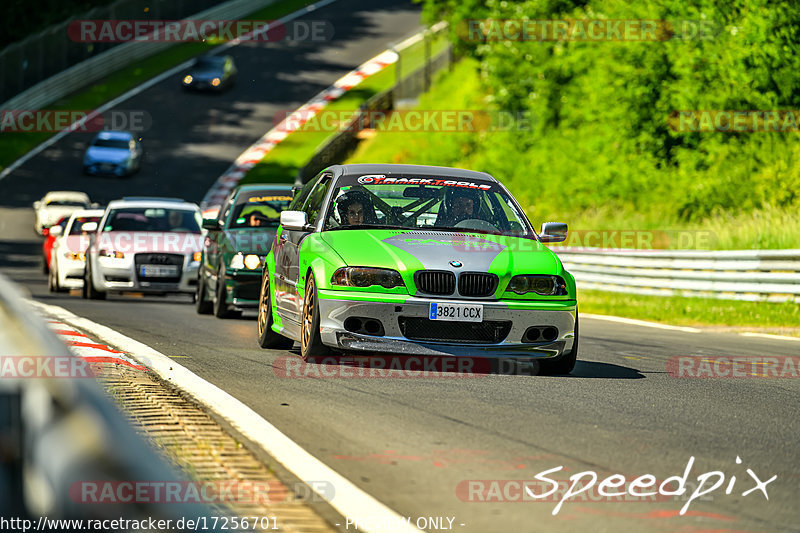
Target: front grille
column 439, row 282
column 425, row 329
column 158, row 259
column 477, row 284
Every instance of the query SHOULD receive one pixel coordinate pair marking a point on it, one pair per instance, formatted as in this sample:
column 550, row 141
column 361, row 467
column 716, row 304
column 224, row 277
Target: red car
column 47, row 245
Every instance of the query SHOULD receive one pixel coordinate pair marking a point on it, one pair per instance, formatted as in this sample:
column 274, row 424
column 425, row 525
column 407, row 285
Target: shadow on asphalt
column 593, row 369
column 479, row 366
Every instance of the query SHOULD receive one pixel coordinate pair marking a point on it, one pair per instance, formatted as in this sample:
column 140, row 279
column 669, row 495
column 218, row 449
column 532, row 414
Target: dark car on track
column 210, row 73
column 234, row 248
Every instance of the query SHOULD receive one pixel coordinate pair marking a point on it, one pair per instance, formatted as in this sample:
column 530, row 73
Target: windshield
column 153, row 219
column 66, row 203
column 209, row 62
column 78, row 223
column 111, row 143
column 259, row 209
column 425, row 203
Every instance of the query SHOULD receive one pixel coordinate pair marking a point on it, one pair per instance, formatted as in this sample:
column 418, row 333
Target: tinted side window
column 300, row 198
column 313, row 205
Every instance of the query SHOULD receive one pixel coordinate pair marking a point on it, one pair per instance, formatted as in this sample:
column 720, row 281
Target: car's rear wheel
column 202, row 305
column 266, row 337
column 88, row 287
column 565, row 363
column 310, row 341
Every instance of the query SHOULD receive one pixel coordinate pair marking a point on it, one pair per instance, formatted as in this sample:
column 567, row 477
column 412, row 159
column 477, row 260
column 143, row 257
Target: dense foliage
column 600, row 137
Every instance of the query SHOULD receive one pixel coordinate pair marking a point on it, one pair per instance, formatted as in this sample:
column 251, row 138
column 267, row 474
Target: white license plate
column 456, row 312
column 158, row 271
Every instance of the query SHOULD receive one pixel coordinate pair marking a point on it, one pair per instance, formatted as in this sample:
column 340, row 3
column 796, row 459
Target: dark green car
column 238, row 239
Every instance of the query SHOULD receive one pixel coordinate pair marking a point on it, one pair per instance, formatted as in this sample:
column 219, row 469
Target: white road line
column 768, row 336
column 139, row 88
column 644, row 323
column 349, row 500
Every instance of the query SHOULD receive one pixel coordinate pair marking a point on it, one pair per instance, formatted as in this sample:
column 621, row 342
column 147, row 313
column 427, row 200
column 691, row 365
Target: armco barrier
column 60, row 431
column 101, row 65
column 754, row 275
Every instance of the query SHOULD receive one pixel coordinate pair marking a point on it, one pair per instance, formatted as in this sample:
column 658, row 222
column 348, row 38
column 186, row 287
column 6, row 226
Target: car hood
column 248, row 240
column 150, row 241
column 109, row 155
column 435, row 250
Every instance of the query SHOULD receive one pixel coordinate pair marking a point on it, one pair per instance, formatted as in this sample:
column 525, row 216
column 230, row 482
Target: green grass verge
column 282, row 163
column 780, row 317
column 765, row 228
column 15, row 145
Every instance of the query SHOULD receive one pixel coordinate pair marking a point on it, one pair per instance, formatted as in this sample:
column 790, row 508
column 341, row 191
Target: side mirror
column 89, row 227
column 55, row 231
column 211, row 224
column 553, row 232
column 37, row 204
column 295, row 221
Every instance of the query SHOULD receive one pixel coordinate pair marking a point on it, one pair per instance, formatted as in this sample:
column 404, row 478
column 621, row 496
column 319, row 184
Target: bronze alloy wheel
column 310, row 342
column 266, row 337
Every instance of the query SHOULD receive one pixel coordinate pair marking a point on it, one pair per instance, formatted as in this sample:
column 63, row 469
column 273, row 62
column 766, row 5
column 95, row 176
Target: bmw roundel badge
column 456, row 264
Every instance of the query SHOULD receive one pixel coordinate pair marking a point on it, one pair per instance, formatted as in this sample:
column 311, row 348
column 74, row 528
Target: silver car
column 149, row 245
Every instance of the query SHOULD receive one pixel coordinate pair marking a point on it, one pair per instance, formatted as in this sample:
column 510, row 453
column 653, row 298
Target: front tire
column 266, row 337
column 564, row 364
column 310, row 341
column 221, row 309
column 202, row 305
column 89, row 291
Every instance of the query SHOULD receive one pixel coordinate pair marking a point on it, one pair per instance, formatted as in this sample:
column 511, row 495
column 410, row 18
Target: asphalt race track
column 415, row 444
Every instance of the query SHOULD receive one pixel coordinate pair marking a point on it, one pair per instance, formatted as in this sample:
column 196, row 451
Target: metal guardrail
column 754, row 275
column 60, row 431
column 101, row 65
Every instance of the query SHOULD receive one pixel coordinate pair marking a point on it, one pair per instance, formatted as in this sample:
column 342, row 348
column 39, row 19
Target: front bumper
column 120, row 275
column 337, row 306
column 242, row 288
column 103, row 168
column 70, row 273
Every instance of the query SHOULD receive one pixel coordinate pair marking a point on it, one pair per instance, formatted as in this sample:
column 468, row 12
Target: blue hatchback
column 113, row 153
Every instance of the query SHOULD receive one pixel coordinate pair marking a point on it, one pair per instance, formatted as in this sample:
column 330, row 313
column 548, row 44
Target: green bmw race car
column 418, row 261
column 229, row 276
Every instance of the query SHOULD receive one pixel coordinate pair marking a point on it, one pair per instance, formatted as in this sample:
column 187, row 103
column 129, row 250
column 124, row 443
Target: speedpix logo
column 383, row 180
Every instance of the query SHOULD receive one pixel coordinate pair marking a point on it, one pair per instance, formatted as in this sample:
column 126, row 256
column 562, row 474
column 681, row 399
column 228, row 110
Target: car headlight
column 197, row 256
column 366, row 277
column 249, row 261
column 541, row 285
column 215, row 82
column 252, row 261
column 237, row 261
column 75, row 256
column 111, row 253
column 188, row 80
